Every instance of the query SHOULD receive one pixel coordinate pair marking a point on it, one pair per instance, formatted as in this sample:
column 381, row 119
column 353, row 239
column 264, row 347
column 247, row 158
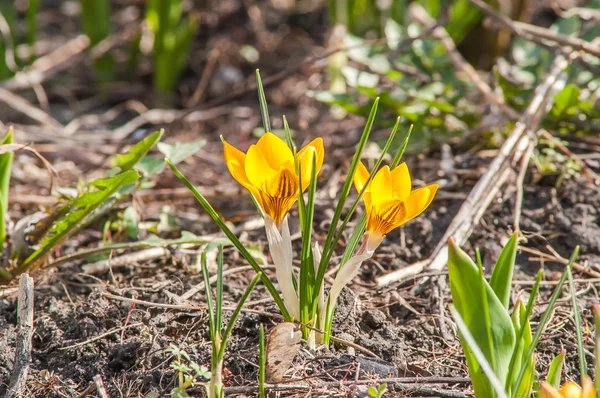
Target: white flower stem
column 280, row 246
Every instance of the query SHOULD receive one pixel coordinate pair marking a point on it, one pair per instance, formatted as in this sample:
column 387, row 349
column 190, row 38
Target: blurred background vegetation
column 388, row 53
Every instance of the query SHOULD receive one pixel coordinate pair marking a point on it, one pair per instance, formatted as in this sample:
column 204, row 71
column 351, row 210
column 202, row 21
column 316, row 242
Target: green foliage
column 501, row 280
column 177, row 152
column 549, row 161
column 377, row 392
column 416, row 79
column 370, row 16
column 46, row 231
column 32, row 12
column 74, row 212
column 261, row 362
column 555, row 369
column 128, row 160
column 187, row 370
column 8, row 47
column 96, row 24
column 578, row 331
column 498, row 347
column 6, row 160
column 173, row 35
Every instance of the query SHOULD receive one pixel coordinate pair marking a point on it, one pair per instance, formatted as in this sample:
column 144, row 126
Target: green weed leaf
column 177, row 152
column 129, row 159
column 75, row 212
column 555, row 369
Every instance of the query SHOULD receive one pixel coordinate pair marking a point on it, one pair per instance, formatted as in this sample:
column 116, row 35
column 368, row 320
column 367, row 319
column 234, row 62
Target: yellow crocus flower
column 389, row 199
column 268, row 171
column 569, row 390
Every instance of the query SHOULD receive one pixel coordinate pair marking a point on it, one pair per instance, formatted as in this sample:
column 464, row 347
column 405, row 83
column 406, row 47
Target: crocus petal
column 275, row 151
column 401, row 183
column 306, row 162
column 386, row 216
column 360, row 177
column 418, row 200
column 279, row 194
column 570, row 390
column 257, row 168
column 381, row 186
column 588, row 388
column 235, row 160
column 548, row 391
column 305, row 158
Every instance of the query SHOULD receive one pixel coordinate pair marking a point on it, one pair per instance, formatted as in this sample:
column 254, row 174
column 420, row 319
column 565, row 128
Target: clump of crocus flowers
column 271, row 172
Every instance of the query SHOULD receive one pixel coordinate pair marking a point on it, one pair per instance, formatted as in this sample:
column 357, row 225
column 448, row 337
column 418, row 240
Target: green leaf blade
column 129, row 159
column 501, row 280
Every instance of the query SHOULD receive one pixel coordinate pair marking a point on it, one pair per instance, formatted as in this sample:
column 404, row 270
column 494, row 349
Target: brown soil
column 80, row 333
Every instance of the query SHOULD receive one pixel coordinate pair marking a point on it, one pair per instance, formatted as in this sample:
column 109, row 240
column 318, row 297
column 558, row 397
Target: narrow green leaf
column 264, row 110
column 555, row 369
column 400, row 153
column 486, row 313
column 219, row 310
column 523, row 329
column 236, row 313
column 578, row 331
column 234, row 240
column 329, row 245
column 129, row 159
column 6, row 160
column 179, row 151
column 261, row 362
column 502, row 275
column 288, row 138
column 212, row 325
column 596, row 314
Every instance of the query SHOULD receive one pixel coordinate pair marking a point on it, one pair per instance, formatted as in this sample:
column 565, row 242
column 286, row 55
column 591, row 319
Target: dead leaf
column 282, row 346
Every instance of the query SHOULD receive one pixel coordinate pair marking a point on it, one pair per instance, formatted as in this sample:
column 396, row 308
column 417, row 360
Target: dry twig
column 126, row 259
column 100, row 387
